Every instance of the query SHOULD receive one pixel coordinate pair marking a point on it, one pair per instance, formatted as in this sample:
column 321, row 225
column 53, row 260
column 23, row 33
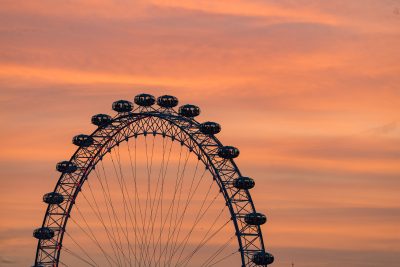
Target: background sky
column 308, row 90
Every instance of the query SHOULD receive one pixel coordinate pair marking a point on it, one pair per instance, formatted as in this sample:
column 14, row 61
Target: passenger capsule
column 43, row 233
column 53, row 198
column 167, row 101
column 121, row 106
column 228, row 152
column 82, row 140
column 101, row 120
column 210, row 128
column 243, row 183
column 145, row 100
column 263, row 258
column 66, row 167
column 255, row 218
column 189, row 111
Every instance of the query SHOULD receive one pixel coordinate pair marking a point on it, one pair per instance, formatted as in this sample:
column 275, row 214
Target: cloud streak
column 308, row 90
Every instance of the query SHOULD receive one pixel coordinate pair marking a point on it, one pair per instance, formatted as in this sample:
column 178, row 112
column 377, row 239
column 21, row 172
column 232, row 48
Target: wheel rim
column 148, row 121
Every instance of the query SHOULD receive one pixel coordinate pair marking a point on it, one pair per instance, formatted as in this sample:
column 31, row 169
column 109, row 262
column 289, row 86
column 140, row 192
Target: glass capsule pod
column 101, row 120
column 255, row 218
column 210, row 128
column 243, row 183
column 66, row 167
column 144, row 100
column 43, row 233
column 122, row 106
column 82, row 140
column 228, row 152
column 263, row 258
column 53, row 198
column 189, row 111
column 167, row 101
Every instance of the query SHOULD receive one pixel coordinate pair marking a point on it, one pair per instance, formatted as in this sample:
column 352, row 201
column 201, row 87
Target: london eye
column 151, row 186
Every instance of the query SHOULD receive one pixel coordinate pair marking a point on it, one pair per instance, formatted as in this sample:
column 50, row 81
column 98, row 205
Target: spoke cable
column 81, row 248
column 77, row 256
column 209, row 260
column 92, row 237
column 180, row 221
column 107, row 201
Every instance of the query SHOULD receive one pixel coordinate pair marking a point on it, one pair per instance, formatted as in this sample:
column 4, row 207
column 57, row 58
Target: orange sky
column 308, row 90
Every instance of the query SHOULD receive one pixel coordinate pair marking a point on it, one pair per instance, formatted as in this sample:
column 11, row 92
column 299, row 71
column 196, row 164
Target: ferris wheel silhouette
column 151, row 186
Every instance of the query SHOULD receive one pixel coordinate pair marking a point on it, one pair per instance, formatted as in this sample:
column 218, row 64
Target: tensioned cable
column 106, row 201
column 126, row 209
column 171, row 204
column 160, row 202
column 175, row 215
column 176, row 220
column 77, row 256
column 90, row 229
column 195, row 190
column 188, row 200
column 126, row 233
column 92, row 237
column 163, row 166
column 135, row 190
column 197, row 217
column 115, row 217
column 197, row 220
column 211, row 258
column 177, row 186
column 210, row 227
column 59, row 261
column 82, row 249
column 126, row 237
column 98, row 215
column 125, row 193
column 150, row 225
column 180, row 185
column 189, row 257
column 137, row 199
column 123, row 181
column 107, row 256
column 224, row 258
column 143, row 255
column 102, row 220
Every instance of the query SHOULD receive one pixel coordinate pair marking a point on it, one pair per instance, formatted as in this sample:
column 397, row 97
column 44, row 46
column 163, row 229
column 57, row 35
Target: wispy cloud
column 386, row 129
column 308, row 90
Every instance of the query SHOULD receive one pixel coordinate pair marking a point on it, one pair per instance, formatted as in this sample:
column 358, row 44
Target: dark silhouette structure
column 144, row 117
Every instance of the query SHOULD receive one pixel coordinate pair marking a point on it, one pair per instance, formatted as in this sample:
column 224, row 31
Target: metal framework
column 152, row 120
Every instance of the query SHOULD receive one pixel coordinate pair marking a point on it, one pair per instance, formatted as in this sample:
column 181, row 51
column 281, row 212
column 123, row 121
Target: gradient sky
column 308, row 90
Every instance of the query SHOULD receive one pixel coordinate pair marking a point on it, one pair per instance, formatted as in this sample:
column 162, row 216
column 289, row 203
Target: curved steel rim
column 143, row 121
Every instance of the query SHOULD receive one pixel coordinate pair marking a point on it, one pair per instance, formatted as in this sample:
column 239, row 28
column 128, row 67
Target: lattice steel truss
column 151, row 121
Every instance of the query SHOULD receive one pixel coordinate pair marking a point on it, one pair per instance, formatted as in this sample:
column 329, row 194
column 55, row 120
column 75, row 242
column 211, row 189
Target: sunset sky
column 309, row 91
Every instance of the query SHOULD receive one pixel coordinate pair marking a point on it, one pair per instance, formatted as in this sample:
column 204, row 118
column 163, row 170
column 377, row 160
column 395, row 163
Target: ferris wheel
column 151, row 186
